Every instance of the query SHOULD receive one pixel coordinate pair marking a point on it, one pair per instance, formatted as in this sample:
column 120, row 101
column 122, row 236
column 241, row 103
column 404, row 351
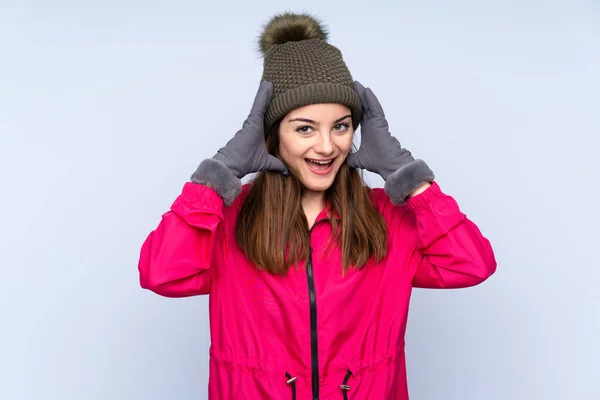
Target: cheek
column 289, row 148
column 345, row 142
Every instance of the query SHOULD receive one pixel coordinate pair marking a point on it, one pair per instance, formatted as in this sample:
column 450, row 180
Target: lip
column 320, row 171
column 324, row 159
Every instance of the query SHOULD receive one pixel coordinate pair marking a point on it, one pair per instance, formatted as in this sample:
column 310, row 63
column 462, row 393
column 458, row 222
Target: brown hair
column 272, row 228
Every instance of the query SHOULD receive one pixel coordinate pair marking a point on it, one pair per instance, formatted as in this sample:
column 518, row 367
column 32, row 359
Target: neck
column 312, row 204
column 313, row 200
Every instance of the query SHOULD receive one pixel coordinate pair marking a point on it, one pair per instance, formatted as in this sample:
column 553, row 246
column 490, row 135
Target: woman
column 309, row 271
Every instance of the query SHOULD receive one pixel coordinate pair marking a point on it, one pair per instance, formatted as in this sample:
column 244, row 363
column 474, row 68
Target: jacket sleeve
column 450, row 251
column 176, row 259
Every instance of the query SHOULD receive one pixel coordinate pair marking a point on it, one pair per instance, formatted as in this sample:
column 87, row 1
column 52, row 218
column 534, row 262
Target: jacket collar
column 327, row 213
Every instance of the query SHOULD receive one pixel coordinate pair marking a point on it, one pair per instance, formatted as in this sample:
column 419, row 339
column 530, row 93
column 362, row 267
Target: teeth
column 321, row 162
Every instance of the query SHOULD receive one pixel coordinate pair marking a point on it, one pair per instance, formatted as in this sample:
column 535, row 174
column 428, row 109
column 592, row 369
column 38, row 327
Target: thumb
column 353, row 160
column 275, row 164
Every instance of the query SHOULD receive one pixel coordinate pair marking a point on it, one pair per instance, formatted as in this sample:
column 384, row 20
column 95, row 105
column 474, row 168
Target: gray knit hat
column 304, row 68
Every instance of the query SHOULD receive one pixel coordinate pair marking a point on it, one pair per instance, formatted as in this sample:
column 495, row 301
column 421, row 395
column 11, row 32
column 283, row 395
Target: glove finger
column 360, row 90
column 263, row 96
column 374, row 104
column 275, row 164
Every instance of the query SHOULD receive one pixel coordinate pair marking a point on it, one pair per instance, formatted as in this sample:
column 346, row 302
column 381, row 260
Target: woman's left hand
column 381, row 153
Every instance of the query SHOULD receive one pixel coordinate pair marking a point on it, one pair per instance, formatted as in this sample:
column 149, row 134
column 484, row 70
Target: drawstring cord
column 291, row 381
column 344, row 386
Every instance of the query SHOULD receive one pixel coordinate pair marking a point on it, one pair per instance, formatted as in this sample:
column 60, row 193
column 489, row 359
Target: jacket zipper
column 313, row 327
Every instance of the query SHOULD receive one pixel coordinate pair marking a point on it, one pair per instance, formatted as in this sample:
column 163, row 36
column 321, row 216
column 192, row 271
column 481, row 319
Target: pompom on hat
column 303, row 68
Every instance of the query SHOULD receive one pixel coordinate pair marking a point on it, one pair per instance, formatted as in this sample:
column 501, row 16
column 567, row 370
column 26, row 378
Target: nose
column 324, row 144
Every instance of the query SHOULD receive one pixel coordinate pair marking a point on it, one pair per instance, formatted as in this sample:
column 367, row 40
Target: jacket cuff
column 436, row 212
column 407, row 179
column 199, row 206
column 217, row 176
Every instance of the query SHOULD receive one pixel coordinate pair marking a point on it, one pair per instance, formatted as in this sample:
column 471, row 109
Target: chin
column 317, row 183
column 317, row 186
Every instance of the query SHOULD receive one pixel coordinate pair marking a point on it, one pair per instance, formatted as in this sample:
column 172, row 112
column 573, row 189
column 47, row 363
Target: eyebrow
column 310, row 121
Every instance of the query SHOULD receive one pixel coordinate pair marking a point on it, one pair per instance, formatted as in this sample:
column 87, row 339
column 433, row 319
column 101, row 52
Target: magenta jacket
column 313, row 334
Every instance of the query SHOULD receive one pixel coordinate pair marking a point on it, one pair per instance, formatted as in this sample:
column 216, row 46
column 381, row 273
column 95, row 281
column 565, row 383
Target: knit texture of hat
column 303, row 68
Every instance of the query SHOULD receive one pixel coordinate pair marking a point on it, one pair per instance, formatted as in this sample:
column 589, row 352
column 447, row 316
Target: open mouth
column 320, row 167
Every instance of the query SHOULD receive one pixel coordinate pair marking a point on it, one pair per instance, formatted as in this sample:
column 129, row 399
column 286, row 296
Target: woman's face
column 314, row 141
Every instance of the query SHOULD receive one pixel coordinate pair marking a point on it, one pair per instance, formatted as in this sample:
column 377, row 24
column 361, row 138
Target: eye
column 341, row 127
column 304, row 129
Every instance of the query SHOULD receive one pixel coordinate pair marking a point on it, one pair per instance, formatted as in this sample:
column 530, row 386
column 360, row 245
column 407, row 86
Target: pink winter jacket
column 313, row 334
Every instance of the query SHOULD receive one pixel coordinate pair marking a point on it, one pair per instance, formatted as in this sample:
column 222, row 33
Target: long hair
column 273, row 231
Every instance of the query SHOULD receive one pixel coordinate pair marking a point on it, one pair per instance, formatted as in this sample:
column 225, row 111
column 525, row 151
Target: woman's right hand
column 246, row 152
